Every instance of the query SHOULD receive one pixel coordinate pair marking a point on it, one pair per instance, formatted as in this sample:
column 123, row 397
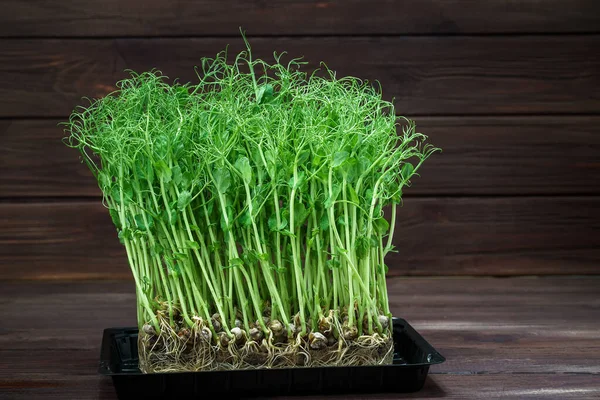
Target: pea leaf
column 236, row 261
column 383, row 268
column 271, row 159
column 378, row 208
column 172, row 267
column 210, row 205
column 169, row 216
column 183, row 199
column 352, row 169
column 272, row 222
column 146, row 284
column 301, row 213
column 226, row 223
column 324, row 222
column 141, row 225
column 178, row 150
column 316, row 161
column 149, row 172
column 369, row 195
column 127, row 193
column 125, row 234
column 353, row 196
column 192, row 244
column 296, row 182
column 333, row 263
column 273, row 267
column 222, row 179
column 156, row 250
column 180, row 256
column 363, row 164
column 245, row 219
column 374, row 242
column 137, row 233
column 303, row 157
column 136, row 186
column 407, row 171
column 264, row 94
column 314, row 233
column 114, row 215
column 362, row 247
column 243, row 166
column 144, row 170
column 333, row 197
column 381, row 225
column 161, row 146
column 339, row 158
column 258, row 198
column 104, row 180
column 163, row 171
column 177, row 175
column 287, row 233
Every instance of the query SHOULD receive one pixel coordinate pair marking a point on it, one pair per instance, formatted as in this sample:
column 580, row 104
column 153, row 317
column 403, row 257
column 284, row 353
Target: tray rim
column 433, row 354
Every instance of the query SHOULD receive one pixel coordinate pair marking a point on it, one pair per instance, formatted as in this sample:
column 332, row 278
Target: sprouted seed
column 251, row 207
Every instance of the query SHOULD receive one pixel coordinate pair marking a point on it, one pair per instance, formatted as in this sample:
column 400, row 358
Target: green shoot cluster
column 260, row 190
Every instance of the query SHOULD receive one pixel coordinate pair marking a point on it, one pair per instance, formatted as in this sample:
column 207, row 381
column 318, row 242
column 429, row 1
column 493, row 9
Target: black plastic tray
column 412, row 358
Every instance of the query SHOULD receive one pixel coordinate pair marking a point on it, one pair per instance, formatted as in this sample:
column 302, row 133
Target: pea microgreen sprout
column 251, row 207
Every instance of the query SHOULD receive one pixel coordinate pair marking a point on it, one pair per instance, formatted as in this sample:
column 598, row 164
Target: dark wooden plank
column 35, row 162
column 510, row 155
column 481, row 155
column 555, row 319
column 426, row 75
column 313, row 17
column 505, row 325
column 526, row 338
column 498, row 236
column 34, row 239
column 435, row 236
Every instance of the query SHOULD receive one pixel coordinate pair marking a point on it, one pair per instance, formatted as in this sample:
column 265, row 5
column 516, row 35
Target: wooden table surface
column 509, row 89
column 522, row 338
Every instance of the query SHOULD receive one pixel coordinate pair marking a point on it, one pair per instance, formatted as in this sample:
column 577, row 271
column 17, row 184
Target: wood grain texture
column 59, row 241
column 497, row 236
column 294, row 17
column 481, row 155
column 509, row 89
column 426, row 75
column 526, row 338
column 537, row 155
column 35, row 162
column 435, row 236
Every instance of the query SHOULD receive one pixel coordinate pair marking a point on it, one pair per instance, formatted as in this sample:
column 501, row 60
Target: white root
column 194, row 349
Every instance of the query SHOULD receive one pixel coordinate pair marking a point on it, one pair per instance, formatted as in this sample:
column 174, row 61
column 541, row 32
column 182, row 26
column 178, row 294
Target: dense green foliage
column 258, row 190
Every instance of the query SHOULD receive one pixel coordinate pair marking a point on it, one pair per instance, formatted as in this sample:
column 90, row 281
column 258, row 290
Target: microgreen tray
column 412, row 358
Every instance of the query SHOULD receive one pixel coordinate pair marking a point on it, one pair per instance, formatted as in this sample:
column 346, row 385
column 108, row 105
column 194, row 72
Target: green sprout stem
column 258, row 195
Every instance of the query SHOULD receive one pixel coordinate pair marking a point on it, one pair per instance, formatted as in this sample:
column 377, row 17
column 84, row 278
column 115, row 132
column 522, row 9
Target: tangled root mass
column 200, row 348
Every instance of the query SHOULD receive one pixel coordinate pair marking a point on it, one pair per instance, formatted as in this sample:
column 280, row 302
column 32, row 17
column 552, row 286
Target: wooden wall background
column 510, row 89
